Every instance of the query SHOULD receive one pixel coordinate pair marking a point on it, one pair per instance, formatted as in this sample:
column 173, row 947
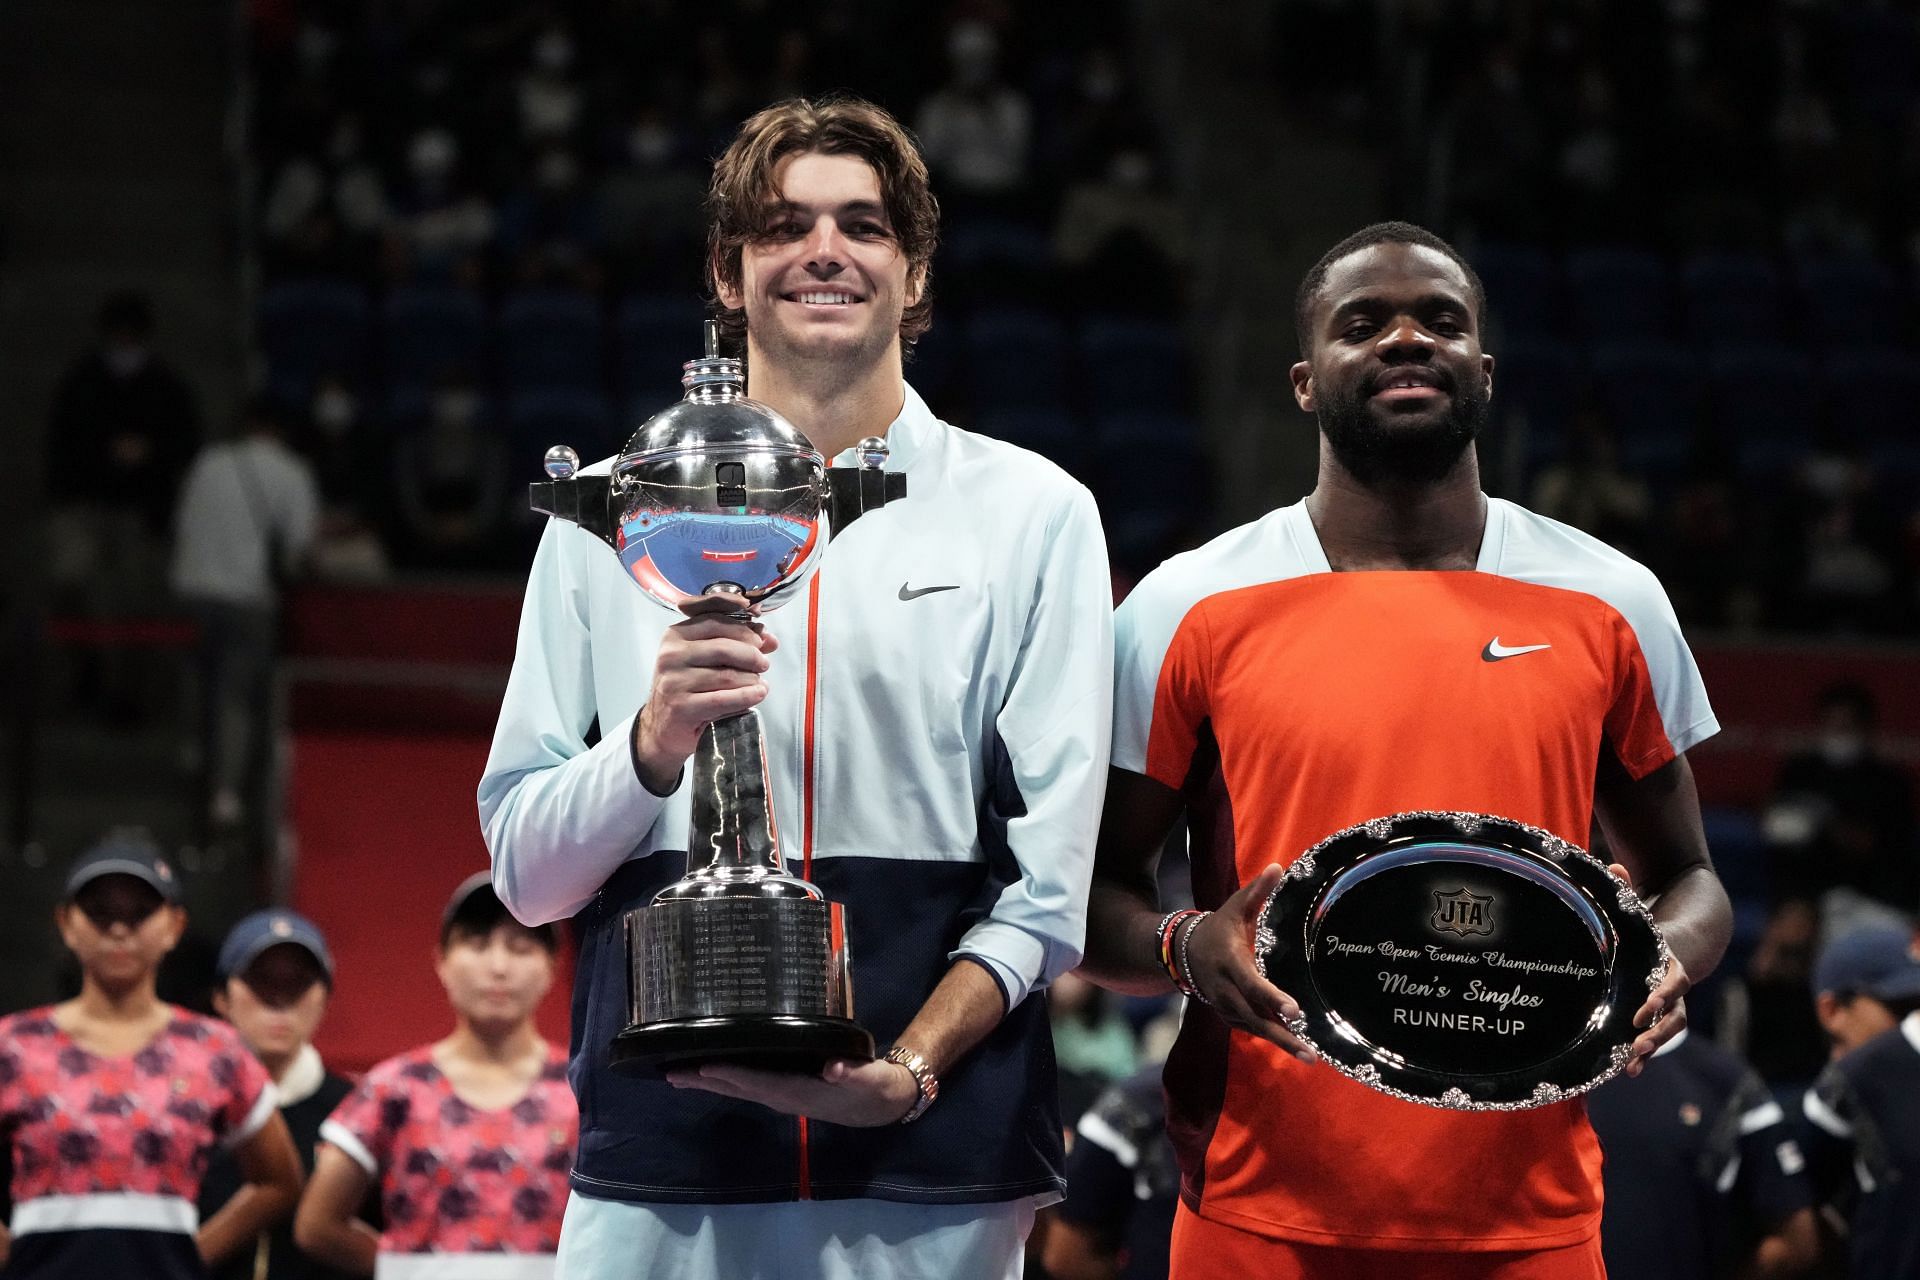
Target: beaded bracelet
column 1168, row 926
column 1183, row 971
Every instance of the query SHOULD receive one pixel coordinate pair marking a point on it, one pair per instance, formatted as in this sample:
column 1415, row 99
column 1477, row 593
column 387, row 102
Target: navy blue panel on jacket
column 1864, row 1144
column 995, row 1134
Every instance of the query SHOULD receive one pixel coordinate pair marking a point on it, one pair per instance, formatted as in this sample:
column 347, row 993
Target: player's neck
column 835, row 407
column 1399, row 525
column 128, row 1003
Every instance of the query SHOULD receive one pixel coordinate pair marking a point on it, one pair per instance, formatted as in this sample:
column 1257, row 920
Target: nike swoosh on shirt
column 914, row 593
column 1495, row 651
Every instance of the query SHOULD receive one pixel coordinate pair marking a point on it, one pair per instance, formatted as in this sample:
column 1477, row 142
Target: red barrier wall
column 386, row 827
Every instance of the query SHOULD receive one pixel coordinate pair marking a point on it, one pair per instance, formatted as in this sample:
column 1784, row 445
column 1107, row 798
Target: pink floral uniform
column 456, row 1179
column 108, row 1152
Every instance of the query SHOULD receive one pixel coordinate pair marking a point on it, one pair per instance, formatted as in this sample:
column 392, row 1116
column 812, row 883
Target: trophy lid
column 719, row 492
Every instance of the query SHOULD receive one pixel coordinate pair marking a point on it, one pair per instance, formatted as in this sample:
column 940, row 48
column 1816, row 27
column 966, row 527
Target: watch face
column 1462, row 960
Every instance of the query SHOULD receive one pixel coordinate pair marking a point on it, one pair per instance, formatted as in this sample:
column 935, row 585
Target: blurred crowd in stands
column 483, row 234
column 1699, row 226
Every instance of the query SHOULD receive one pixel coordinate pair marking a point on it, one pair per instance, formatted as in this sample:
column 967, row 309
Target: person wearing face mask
column 275, row 974
column 935, row 715
column 468, row 1141
column 449, row 479
column 347, row 466
column 111, row 1103
column 1840, row 826
column 123, row 428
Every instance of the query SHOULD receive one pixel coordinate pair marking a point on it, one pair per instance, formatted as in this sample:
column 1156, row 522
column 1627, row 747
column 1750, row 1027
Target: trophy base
column 777, row 1042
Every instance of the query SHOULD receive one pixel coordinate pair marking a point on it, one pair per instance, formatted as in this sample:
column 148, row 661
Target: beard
column 1379, row 452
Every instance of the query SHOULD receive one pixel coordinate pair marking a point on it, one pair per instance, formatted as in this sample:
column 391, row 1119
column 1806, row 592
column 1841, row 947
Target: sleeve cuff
column 257, row 1116
column 633, row 757
column 342, row 1137
column 1016, row 959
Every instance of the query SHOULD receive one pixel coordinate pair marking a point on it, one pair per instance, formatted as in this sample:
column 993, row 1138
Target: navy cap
column 270, row 928
column 1882, row 961
column 127, row 851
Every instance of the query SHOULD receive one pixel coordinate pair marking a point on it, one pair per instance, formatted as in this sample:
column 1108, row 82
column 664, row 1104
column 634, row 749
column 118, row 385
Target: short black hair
column 479, row 914
column 1366, row 238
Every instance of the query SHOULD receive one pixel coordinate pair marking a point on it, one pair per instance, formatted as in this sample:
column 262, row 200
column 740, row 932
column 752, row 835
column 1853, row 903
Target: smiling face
column 1394, row 370
column 824, row 280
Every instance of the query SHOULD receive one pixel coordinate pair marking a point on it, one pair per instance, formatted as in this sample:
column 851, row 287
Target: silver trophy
column 739, row 961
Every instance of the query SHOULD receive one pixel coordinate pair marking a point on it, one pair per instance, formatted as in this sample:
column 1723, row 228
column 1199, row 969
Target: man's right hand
column 1220, row 963
column 710, row 667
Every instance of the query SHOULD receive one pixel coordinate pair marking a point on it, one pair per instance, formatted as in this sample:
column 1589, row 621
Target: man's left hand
column 861, row 1095
column 1666, row 1003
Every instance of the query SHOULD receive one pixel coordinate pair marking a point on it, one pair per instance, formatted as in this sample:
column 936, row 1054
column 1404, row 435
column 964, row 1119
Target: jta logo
column 1461, row 912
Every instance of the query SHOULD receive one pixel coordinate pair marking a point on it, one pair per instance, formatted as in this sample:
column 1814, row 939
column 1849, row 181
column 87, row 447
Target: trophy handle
column 733, row 833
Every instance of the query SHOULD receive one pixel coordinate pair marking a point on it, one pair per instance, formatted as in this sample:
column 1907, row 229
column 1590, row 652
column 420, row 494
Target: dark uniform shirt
column 1863, row 1141
column 1701, row 1164
column 1122, row 1180
column 274, row 1256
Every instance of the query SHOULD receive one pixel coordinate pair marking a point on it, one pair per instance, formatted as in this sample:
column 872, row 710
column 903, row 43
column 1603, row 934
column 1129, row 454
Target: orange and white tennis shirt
column 1287, row 701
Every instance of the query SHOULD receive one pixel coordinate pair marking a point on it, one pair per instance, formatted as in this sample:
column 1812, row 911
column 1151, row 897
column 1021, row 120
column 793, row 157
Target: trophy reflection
column 739, row 961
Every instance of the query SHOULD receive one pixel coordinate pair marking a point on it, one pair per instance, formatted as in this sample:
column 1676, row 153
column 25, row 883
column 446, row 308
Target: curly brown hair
column 742, row 188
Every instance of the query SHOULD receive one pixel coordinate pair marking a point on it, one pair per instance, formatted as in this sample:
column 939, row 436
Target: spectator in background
column 1863, row 1135
column 246, row 521
column 111, row 1102
column 648, row 206
column 275, row 975
column 1125, row 236
column 468, row 1140
column 349, row 467
column 1704, row 1177
column 123, row 428
column 1841, row 820
column 1863, row 984
column 449, row 480
column 975, row 129
column 547, row 226
column 440, row 225
column 1122, row 1184
column 1765, row 1013
column 1589, row 489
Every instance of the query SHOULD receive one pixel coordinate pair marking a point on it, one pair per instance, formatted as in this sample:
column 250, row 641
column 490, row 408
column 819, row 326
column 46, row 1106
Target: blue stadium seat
column 1621, row 295
column 1016, row 360
column 1524, row 297
column 1048, row 432
column 309, row 328
column 1732, row 297
column 1135, row 365
column 933, row 364
column 1652, row 390
column 654, row 336
column 538, row 420
column 1536, row 387
column 1874, row 397
column 426, row 329
column 1739, row 851
column 1765, row 402
column 552, row 339
column 978, row 243
column 1849, row 300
